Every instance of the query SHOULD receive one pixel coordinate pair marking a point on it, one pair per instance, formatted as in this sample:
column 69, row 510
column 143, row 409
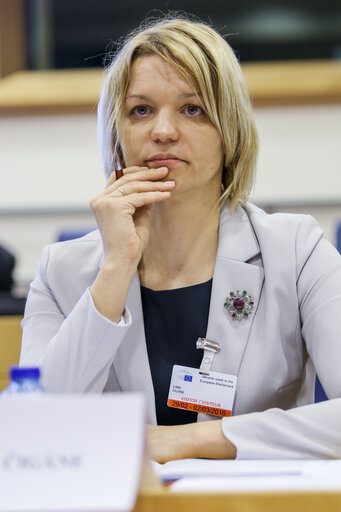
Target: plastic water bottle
column 23, row 380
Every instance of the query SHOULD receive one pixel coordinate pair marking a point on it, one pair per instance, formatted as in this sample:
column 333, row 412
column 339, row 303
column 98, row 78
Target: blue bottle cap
column 17, row 373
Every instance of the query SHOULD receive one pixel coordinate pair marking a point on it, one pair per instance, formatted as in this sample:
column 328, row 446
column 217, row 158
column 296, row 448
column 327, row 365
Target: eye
column 193, row 110
column 141, row 110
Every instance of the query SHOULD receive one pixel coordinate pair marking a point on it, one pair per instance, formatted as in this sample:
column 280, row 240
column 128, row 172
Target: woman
column 180, row 255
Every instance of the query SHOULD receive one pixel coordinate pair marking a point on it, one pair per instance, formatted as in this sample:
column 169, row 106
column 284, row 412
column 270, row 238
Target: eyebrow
column 184, row 95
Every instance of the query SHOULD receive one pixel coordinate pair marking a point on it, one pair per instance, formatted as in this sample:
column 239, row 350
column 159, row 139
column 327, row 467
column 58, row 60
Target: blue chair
column 320, row 395
column 72, row 234
column 338, row 237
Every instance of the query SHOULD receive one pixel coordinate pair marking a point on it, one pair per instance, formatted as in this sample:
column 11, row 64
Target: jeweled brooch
column 239, row 304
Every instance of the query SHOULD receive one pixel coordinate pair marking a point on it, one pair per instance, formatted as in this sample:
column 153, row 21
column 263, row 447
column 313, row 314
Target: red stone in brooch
column 239, row 304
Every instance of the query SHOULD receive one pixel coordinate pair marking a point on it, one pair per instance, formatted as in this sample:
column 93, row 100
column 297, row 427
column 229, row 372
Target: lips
column 164, row 159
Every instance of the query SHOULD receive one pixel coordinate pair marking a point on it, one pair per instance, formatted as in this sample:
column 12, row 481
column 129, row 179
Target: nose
column 164, row 128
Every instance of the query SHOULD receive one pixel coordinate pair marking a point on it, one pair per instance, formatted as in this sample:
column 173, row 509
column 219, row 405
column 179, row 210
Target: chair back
column 71, row 234
column 10, row 345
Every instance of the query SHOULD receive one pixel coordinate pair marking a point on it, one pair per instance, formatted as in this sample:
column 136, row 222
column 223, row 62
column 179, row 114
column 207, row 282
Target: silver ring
column 120, row 191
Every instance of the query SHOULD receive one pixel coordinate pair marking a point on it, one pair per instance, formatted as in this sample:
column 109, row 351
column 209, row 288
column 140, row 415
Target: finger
column 114, row 175
column 135, row 168
column 135, row 187
column 111, row 180
column 140, row 175
column 133, row 201
column 142, row 199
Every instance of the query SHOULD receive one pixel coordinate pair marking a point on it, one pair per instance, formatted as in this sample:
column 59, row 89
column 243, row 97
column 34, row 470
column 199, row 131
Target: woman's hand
column 123, row 213
column 203, row 440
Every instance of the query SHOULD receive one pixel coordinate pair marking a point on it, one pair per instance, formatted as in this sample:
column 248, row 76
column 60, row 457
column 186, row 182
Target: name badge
column 210, row 393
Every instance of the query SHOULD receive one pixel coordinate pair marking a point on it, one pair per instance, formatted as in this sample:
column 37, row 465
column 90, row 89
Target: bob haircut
column 209, row 64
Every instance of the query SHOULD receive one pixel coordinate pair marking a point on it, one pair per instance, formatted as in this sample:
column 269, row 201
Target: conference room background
column 75, row 33
column 49, row 161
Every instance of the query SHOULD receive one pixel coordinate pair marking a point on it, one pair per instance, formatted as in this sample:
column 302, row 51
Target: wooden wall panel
column 13, row 51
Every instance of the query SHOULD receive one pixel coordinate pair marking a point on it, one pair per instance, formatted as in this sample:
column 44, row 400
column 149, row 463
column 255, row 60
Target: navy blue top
column 173, row 321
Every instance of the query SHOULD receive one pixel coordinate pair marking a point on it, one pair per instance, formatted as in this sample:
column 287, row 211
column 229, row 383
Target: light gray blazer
column 294, row 277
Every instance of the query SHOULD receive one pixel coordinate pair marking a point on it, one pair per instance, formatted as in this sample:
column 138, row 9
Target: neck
column 183, row 244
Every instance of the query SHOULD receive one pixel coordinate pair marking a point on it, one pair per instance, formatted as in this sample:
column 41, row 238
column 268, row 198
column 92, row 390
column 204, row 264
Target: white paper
column 71, row 453
column 199, row 475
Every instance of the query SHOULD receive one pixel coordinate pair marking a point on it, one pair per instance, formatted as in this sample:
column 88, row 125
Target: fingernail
column 170, row 182
column 162, row 168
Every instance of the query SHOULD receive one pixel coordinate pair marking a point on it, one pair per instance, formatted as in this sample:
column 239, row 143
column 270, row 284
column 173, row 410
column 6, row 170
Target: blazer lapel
column 131, row 363
column 237, row 246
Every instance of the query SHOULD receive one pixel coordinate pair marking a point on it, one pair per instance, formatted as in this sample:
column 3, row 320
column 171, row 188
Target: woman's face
column 164, row 124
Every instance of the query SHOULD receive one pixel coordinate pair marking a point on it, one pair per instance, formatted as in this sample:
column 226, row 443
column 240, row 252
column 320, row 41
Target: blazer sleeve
column 75, row 351
column 306, row 432
column 309, row 431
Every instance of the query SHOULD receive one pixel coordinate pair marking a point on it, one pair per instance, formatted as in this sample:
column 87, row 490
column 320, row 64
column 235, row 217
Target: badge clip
column 210, row 349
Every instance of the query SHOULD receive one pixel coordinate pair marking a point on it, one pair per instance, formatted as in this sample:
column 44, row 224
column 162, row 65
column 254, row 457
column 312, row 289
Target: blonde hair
column 207, row 61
